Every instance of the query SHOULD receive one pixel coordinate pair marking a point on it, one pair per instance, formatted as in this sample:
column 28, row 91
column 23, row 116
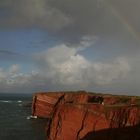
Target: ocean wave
column 6, row 101
column 31, row 117
column 19, row 101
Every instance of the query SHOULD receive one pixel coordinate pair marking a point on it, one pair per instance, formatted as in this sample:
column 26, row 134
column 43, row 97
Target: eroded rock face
column 84, row 116
column 44, row 103
column 72, row 122
column 76, row 122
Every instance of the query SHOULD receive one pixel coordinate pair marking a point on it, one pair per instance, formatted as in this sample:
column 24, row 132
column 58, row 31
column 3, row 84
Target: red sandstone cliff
column 44, row 103
column 84, row 116
column 74, row 122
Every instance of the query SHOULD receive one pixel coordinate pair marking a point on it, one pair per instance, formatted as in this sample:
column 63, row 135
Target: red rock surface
column 74, row 122
column 44, row 103
column 84, row 116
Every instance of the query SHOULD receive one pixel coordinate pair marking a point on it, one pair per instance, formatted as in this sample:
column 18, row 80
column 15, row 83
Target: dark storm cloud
column 28, row 13
column 90, row 16
column 112, row 21
column 67, row 16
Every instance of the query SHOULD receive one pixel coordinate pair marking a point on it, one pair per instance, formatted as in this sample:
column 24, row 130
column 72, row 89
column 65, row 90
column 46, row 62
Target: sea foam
column 6, row 101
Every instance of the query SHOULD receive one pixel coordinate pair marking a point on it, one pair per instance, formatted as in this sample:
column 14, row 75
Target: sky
column 55, row 45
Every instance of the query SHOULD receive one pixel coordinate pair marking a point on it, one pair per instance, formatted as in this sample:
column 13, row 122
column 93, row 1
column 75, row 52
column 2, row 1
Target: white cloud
column 14, row 69
column 64, row 66
column 109, row 73
column 2, row 74
column 12, row 80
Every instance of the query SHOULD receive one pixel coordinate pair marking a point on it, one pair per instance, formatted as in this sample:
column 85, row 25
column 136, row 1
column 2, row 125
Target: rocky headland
column 83, row 115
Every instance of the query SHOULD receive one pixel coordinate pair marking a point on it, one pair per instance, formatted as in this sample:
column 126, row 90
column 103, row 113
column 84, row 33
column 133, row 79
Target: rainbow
column 126, row 23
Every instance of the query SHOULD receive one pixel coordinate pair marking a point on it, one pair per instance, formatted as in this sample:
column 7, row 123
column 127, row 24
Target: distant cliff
column 88, row 116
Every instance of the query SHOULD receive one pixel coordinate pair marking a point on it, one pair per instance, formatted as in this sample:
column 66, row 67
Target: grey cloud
column 111, row 21
column 78, row 16
column 28, row 13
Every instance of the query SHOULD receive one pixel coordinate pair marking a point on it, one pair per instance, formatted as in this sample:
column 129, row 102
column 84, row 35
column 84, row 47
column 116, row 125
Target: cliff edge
column 88, row 116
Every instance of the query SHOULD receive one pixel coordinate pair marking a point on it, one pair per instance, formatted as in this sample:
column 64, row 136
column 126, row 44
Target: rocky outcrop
column 44, row 103
column 85, row 116
column 74, row 122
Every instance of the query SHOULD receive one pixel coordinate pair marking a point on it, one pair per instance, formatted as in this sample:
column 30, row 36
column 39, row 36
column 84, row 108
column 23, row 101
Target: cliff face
column 83, row 116
column 74, row 122
column 45, row 103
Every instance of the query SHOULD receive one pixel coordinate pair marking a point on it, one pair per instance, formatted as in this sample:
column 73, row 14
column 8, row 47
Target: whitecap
column 5, row 101
column 31, row 117
column 28, row 118
column 19, row 101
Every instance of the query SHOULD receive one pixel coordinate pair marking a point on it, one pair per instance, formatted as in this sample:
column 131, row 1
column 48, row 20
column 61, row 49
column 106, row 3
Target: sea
column 15, row 123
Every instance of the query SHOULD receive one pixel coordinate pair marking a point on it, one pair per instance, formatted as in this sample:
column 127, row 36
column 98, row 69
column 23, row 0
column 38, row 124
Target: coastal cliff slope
column 88, row 116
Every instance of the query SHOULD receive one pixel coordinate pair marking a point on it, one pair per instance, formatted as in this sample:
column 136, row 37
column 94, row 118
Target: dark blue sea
column 14, row 121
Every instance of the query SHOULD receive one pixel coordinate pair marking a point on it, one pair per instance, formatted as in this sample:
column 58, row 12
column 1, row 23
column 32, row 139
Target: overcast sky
column 91, row 45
